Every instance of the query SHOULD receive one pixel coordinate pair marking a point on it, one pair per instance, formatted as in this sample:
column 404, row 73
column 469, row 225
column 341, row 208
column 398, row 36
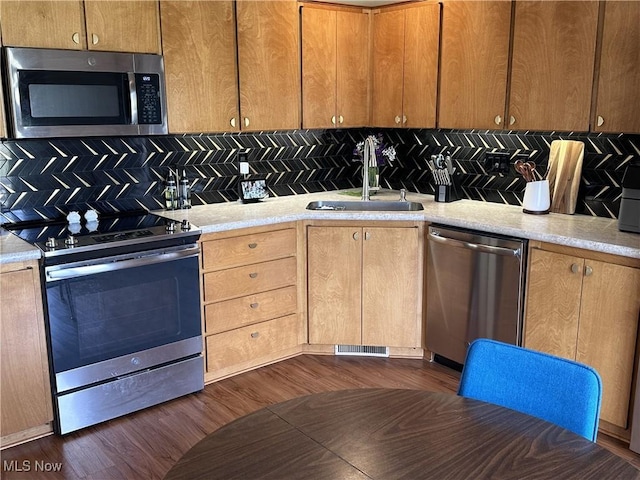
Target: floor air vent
column 362, row 350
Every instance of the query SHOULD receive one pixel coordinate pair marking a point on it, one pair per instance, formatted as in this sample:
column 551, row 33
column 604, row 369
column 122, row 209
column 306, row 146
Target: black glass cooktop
column 59, row 237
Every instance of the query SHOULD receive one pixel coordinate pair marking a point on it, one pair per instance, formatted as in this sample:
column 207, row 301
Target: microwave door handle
column 133, row 98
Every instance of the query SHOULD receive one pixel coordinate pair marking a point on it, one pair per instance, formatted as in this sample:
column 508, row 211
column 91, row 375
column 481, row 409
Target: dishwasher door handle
column 478, row 247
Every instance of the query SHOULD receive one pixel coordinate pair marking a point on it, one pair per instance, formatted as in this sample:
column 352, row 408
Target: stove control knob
column 51, row 242
column 185, row 225
column 171, row 227
column 70, row 241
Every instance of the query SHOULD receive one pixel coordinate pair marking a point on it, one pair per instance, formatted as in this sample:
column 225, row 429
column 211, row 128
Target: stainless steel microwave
column 71, row 93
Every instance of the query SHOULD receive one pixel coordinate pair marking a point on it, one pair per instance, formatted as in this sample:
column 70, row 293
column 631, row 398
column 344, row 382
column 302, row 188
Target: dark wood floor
column 145, row 445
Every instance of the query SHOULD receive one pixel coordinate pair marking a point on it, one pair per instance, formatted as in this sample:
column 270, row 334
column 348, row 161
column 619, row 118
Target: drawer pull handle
column 255, row 334
column 254, row 305
column 253, row 245
column 253, row 275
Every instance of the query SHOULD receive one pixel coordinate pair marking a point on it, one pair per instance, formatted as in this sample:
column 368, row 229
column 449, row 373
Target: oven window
column 103, row 316
column 74, row 98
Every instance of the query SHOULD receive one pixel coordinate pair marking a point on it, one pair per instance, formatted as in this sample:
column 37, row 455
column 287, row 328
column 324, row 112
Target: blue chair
column 560, row 391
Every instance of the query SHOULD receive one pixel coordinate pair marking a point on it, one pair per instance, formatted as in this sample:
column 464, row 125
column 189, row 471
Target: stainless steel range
column 122, row 298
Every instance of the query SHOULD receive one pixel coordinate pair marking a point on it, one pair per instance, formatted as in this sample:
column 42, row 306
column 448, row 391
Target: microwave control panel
column 148, row 93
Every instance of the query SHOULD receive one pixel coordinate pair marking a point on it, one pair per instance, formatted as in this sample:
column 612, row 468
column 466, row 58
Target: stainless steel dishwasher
column 475, row 285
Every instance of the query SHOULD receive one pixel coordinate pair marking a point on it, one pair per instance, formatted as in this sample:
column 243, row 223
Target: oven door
column 118, row 315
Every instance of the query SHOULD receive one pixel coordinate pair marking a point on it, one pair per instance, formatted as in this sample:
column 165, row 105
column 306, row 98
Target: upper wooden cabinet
column 552, row 68
column 199, row 45
column 617, row 94
column 473, row 69
column 268, row 64
column 45, row 24
column 405, row 66
column 386, row 69
column 335, row 67
column 124, row 26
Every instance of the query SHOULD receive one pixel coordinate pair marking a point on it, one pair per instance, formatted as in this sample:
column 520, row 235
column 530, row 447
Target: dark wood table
column 390, row 434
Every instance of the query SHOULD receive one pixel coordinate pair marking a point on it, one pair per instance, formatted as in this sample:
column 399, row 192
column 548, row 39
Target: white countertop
column 13, row 249
column 582, row 231
column 591, row 233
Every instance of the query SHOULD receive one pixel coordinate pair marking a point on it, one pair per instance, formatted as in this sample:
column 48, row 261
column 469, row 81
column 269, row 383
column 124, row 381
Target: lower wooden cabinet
column 365, row 285
column 250, row 298
column 250, row 309
column 585, row 306
column 246, row 344
column 25, row 391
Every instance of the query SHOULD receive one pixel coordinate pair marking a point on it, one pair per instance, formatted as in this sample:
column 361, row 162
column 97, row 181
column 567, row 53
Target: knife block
column 446, row 193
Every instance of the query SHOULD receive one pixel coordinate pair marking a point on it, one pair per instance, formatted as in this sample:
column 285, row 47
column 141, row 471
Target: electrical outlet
column 496, row 162
column 243, row 163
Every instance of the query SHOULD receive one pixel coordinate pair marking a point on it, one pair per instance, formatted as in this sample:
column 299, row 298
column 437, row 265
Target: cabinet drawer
column 248, row 249
column 241, row 281
column 249, row 343
column 239, row 312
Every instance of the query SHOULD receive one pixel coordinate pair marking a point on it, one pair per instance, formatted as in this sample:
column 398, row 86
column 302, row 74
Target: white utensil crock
column 536, row 197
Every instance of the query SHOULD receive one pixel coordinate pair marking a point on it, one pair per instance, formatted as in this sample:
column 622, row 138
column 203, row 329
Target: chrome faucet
column 365, row 180
column 368, row 160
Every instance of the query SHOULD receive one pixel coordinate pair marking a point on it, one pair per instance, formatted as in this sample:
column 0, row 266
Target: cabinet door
column 552, row 65
column 198, row 41
column 352, row 75
column 123, row 26
column 334, row 263
column 43, row 23
column 391, row 287
column 618, row 91
column 387, row 68
column 269, row 65
column 26, row 397
column 608, row 331
column 553, row 303
column 318, row 68
column 473, row 67
column 422, row 36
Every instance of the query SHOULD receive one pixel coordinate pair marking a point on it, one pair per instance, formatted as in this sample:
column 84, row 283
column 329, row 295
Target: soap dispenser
column 170, row 192
column 184, row 191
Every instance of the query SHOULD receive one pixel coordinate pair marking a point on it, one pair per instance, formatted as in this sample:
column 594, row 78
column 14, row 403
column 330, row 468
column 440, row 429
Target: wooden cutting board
column 565, row 171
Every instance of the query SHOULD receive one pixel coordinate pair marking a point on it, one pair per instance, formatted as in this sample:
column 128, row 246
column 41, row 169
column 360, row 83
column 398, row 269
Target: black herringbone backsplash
column 49, row 178
column 605, row 161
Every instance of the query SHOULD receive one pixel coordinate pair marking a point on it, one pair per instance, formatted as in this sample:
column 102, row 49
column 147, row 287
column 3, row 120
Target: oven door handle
column 148, row 259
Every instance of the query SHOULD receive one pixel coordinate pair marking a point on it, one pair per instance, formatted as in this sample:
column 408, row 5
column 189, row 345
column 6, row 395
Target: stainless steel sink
column 370, row 206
